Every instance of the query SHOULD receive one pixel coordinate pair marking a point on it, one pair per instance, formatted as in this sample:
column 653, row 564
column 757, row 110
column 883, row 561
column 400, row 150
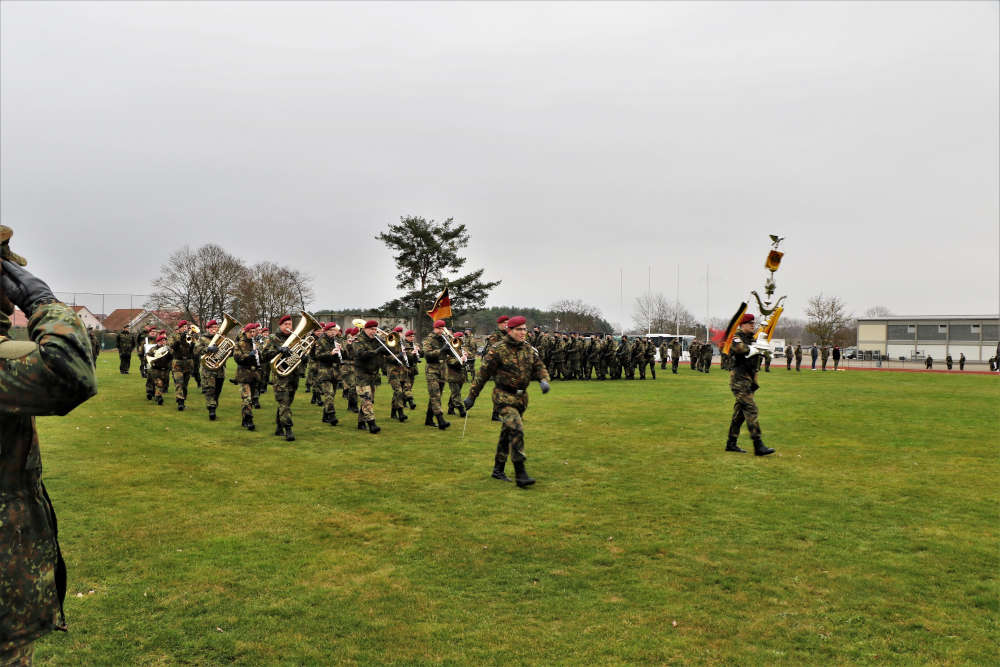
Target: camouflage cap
column 5, row 251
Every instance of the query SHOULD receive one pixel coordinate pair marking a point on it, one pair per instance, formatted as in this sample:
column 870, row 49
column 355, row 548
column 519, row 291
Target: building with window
column 911, row 337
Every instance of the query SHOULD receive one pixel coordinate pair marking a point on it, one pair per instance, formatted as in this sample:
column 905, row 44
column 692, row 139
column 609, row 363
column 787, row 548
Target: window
column 942, row 328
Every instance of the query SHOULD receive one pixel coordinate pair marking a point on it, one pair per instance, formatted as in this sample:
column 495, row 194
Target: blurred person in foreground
column 49, row 374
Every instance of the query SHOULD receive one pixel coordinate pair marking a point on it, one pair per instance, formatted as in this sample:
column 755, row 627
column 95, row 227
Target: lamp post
column 557, row 324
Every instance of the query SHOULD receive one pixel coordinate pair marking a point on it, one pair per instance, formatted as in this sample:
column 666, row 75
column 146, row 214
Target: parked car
column 850, row 353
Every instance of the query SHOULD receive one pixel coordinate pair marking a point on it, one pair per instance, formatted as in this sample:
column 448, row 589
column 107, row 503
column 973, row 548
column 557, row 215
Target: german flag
column 442, row 307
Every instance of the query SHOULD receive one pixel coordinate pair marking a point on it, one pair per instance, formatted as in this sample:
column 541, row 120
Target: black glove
column 23, row 289
column 544, row 385
column 212, row 349
column 284, row 351
column 469, row 402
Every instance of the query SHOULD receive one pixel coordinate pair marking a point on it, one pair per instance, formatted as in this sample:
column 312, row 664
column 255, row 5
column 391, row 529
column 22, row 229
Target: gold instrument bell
column 297, row 344
column 226, row 345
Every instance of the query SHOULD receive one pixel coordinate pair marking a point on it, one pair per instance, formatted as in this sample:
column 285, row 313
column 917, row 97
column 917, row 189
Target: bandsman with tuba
column 285, row 386
column 158, row 367
column 211, row 378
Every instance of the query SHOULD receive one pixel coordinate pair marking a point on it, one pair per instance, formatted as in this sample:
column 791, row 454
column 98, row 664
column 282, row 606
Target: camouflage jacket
column 433, row 351
column 199, row 351
column 272, row 349
column 183, row 350
column 322, row 352
column 248, row 360
column 162, row 363
column 124, row 341
column 744, row 367
column 493, row 339
column 512, row 366
column 50, row 374
column 368, row 359
column 676, row 350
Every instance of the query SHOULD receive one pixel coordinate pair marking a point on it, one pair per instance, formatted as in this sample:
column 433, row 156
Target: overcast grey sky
column 574, row 140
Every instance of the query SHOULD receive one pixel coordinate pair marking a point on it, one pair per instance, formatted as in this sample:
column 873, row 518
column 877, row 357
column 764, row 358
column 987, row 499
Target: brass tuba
column 298, row 345
column 226, row 345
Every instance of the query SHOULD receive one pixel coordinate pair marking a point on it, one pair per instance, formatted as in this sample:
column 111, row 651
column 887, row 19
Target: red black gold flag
column 731, row 328
column 442, row 306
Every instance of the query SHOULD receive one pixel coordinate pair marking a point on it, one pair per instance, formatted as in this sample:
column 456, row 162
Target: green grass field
column 869, row 537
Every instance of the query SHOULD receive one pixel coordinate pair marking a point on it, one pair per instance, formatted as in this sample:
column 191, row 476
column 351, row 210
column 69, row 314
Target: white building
column 906, row 336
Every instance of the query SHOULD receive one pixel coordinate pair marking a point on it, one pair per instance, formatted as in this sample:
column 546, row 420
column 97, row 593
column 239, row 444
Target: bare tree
column 266, row 291
column 653, row 313
column 575, row 315
column 198, row 284
column 827, row 317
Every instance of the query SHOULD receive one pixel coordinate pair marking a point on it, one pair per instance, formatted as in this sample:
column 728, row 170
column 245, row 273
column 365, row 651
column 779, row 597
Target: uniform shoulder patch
column 15, row 349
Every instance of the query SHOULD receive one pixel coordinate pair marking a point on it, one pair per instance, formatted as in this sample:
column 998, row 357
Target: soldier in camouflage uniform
column 368, row 360
column 676, row 350
column 150, row 339
column 309, row 371
column 413, row 354
column 139, row 343
column 183, row 365
column 469, row 347
column 798, row 357
column 455, row 376
column 705, row 351
column 264, row 333
column 649, row 357
column 95, row 343
column 588, row 358
column 694, row 354
column 158, row 370
column 788, row 357
column 743, row 383
column 512, row 364
column 248, row 363
column 347, row 374
column 49, row 374
column 492, row 340
column 285, row 386
column 664, row 350
column 434, row 352
column 397, row 374
column 211, row 379
column 558, row 355
column 326, row 357
column 125, row 342
column 574, row 352
column 824, row 352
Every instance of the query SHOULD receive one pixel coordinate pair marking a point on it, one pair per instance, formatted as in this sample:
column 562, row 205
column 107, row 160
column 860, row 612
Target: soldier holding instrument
column 327, row 357
column 181, row 345
column 285, row 386
column 743, row 383
column 434, row 351
column 248, row 363
column 211, row 379
column 158, row 370
column 51, row 373
column 512, row 364
column 368, row 359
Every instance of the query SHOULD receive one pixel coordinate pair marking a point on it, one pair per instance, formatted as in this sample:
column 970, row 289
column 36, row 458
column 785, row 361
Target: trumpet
column 191, row 337
column 226, row 345
column 297, row 345
column 389, row 340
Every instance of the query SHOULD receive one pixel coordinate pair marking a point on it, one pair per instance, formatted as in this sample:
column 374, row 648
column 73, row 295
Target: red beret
column 248, row 326
column 458, row 334
column 354, row 331
column 747, row 317
column 212, row 323
column 182, row 323
column 371, row 323
column 160, row 337
column 257, row 326
column 329, row 325
column 516, row 321
column 285, row 318
column 502, row 319
column 410, row 332
column 440, row 324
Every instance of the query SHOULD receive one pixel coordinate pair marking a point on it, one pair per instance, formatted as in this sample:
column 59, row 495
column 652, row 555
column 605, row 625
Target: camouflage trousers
column 798, row 363
column 408, row 387
column 615, row 370
column 470, row 368
column 455, row 394
column 744, row 409
column 675, row 362
column 211, row 386
column 434, row 386
column 247, row 390
column 788, row 363
column 510, row 409
column 284, row 395
column 19, row 656
column 160, row 379
column 397, row 376
column 557, row 370
column 366, row 402
column 124, row 362
column 150, row 387
column 181, row 372
column 327, row 380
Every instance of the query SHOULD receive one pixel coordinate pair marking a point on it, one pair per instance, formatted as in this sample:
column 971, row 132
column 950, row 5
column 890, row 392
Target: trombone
column 452, row 344
column 388, row 340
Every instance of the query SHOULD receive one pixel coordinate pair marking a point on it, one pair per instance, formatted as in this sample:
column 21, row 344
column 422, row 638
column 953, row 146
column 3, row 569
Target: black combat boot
column 211, row 414
column 142, row 372
column 760, row 449
column 361, row 425
column 256, row 403
column 498, row 466
column 372, row 428
column 731, row 446
column 401, row 415
column 521, row 475
column 461, row 410
column 149, row 396
column 326, row 417
column 289, row 436
column 496, row 416
column 653, row 371
column 352, row 403
column 279, row 429
column 413, row 406
column 180, row 405
column 159, row 400
column 451, row 409
column 430, row 417
column 442, row 424
column 332, row 418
